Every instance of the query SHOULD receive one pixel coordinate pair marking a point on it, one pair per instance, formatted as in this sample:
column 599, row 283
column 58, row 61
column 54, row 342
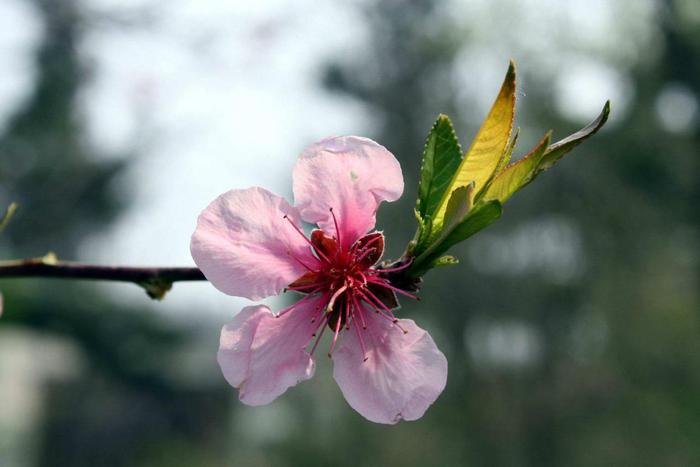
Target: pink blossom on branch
column 250, row 243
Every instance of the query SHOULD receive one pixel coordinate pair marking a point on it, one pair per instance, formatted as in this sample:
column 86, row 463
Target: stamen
column 337, row 230
column 381, row 313
column 321, row 299
column 358, row 310
column 379, row 309
column 399, row 268
column 335, row 337
column 302, row 288
column 284, row 311
column 364, row 278
column 379, row 302
column 300, row 232
column 362, row 341
column 318, row 339
column 383, row 283
column 337, row 293
column 317, row 308
column 365, row 254
column 289, row 253
column 368, row 244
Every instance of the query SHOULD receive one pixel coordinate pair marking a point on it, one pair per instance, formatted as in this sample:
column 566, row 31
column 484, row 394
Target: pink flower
column 250, row 243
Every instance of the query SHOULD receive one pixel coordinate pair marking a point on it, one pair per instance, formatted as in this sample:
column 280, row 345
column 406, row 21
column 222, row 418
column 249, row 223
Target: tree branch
column 156, row 281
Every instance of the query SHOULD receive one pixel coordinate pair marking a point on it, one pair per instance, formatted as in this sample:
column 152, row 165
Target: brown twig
column 156, row 281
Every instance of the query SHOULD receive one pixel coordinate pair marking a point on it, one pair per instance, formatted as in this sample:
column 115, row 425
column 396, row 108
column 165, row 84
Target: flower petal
column 350, row 174
column 263, row 355
column 403, row 374
column 245, row 247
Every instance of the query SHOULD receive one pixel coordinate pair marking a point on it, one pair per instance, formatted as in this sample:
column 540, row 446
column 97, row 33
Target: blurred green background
column 571, row 326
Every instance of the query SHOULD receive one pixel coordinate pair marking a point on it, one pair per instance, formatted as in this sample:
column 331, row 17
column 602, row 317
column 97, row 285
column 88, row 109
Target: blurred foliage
column 125, row 401
column 614, row 373
column 571, row 325
column 47, row 166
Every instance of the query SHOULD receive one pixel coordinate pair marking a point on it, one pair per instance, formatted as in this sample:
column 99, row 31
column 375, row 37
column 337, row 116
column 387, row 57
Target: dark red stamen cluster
column 346, row 285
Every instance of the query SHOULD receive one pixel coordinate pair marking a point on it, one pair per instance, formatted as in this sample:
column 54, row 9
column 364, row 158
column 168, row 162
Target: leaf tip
column 547, row 138
column 510, row 74
column 606, row 111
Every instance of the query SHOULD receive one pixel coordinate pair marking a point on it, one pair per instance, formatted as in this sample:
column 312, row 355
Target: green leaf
column 459, row 205
column 557, row 150
column 479, row 217
column 517, row 174
column 417, row 245
column 441, row 157
column 488, row 147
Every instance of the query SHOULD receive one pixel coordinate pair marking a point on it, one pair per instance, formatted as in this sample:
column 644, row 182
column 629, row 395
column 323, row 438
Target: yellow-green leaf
column 557, row 150
column 508, row 153
column 488, row 147
column 517, row 174
column 479, row 218
column 458, row 206
column 502, row 164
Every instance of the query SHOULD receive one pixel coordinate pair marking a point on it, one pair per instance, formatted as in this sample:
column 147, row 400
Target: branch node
column 156, row 287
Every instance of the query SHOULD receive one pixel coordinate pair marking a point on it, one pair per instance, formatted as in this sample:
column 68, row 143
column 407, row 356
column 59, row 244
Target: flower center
column 347, row 285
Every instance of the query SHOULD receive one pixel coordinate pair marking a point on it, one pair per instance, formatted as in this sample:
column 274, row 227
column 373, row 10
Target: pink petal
column 245, row 247
column 350, row 174
column 263, row 355
column 403, row 374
